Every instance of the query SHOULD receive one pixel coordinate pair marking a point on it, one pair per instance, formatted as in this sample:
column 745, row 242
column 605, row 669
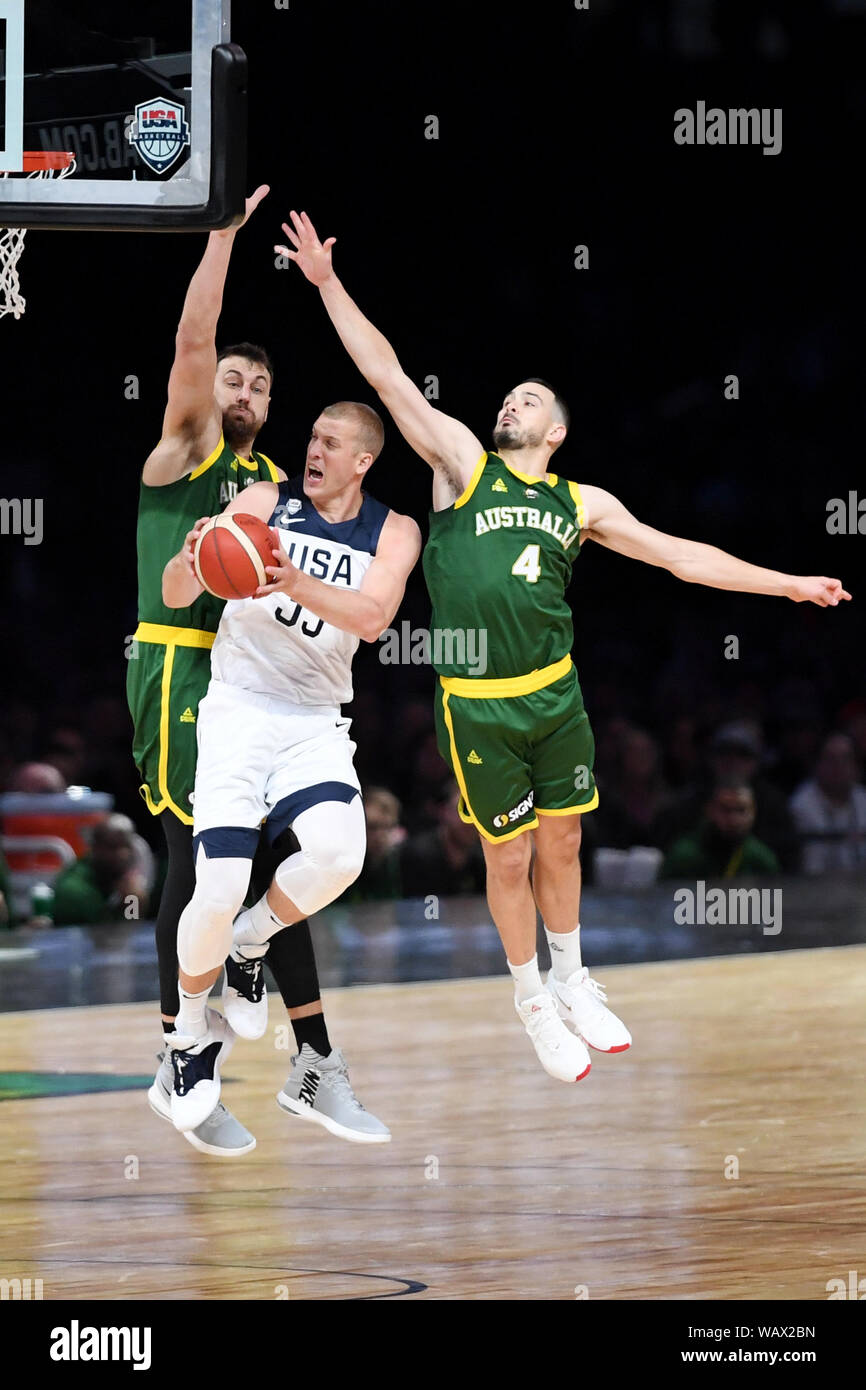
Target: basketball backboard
column 150, row 99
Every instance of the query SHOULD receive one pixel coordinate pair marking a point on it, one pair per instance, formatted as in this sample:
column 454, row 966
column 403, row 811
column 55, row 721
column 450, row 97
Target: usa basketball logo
column 159, row 131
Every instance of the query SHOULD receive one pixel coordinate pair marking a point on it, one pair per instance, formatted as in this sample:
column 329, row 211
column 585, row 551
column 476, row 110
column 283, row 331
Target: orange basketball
column 231, row 553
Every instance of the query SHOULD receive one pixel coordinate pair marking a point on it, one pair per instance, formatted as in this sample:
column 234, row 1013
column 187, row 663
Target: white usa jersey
column 272, row 646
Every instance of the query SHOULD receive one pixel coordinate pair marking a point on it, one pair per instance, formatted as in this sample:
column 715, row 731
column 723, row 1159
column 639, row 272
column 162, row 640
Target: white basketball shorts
column 258, row 756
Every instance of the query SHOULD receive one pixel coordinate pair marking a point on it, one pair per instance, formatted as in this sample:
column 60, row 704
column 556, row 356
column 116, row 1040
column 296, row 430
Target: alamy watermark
column 22, row 516
column 736, row 126
column 444, row 646
column 727, row 907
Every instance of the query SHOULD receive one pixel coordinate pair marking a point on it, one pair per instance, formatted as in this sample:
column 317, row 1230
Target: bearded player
column 504, row 534
column 217, row 404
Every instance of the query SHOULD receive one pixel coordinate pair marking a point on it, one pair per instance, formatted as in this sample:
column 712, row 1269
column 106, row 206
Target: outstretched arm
column 191, row 425
column 609, row 523
column 446, row 444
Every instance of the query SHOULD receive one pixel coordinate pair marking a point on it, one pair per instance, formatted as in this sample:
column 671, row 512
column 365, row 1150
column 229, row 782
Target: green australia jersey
column 168, row 665
column 165, row 516
column 497, row 565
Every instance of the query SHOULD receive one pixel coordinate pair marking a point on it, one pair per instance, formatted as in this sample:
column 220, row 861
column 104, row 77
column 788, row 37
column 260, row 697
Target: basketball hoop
column 35, row 164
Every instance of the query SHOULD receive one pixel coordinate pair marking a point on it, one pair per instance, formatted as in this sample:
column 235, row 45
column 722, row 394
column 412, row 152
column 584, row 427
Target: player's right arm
column 180, row 583
column 192, row 425
column 448, row 446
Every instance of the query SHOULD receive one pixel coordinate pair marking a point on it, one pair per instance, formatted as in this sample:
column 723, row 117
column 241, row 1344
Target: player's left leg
column 562, row 761
column 314, row 789
column 291, row 958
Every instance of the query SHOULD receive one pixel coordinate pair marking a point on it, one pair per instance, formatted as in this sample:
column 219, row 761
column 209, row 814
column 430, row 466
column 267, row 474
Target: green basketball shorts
column 168, row 674
column 517, row 756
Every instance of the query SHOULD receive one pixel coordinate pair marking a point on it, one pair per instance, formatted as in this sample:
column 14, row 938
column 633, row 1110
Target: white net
column 12, row 300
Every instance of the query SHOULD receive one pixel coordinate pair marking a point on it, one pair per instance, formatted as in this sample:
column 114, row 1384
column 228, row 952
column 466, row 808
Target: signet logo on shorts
column 159, row 131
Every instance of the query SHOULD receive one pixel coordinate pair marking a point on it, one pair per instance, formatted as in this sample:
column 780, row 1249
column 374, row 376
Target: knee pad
column 333, row 840
column 204, row 935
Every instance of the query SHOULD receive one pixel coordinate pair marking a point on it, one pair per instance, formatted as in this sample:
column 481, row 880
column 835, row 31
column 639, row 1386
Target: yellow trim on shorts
column 571, row 810
column 472, row 819
column 162, row 770
column 472, row 484
column 477, row 688
column 173, row 636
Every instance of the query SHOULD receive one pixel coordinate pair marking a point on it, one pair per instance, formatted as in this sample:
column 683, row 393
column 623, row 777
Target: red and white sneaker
column 580, row 1001
column 560, row 1053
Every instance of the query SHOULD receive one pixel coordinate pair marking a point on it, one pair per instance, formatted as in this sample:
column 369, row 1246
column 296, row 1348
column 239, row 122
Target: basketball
column 231, row 554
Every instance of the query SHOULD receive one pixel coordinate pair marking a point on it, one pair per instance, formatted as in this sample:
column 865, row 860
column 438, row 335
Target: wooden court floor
column 721, row 1158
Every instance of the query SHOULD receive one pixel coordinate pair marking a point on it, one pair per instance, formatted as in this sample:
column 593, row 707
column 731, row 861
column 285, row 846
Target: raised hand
column 251, row 204
column 313, row 258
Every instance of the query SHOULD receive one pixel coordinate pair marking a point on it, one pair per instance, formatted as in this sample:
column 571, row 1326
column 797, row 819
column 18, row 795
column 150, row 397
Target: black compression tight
column 290, row 955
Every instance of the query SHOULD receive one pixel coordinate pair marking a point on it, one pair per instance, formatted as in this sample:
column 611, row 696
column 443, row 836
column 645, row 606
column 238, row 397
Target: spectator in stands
column 36, row 778
column 446, row 860
column 735, row 751
column 830, row 810
column 635, row 794
column 104, row 885
column 380, row 876
column 65, row 750
column 722, row 845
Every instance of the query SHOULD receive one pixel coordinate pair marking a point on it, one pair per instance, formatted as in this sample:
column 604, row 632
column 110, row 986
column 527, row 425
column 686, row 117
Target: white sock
column 190, row 1021
column 564, row 952
column 254, row 928
column 527, row 980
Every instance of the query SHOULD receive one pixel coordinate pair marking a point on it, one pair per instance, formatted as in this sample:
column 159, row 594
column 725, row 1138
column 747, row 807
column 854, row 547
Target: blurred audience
column 722, row 845
column 380, row 876
column 5, row 909
column 736, row 751
column 107, row 885
column 633, row 796
column 36, row 778
column 829, row 810
column 446, row 859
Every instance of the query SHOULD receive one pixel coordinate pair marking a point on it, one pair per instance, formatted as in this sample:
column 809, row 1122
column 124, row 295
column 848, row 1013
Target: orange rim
column 34, row 160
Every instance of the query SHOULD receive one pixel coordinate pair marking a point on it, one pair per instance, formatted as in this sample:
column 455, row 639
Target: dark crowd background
column 555, row 130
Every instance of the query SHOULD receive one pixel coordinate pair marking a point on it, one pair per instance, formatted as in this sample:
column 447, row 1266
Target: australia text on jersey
column 492, row 518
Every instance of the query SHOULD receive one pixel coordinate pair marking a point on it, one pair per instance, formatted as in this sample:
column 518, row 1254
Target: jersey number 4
column 527, row 564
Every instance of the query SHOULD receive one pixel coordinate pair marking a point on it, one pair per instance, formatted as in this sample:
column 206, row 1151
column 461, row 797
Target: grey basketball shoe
column 318, row 1089
column 220, row 1135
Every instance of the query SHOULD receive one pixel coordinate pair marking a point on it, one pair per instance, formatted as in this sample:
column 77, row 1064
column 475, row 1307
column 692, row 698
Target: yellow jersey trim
column 472, row 484
column 571, row 810
column 579, row 505
column 173, row 636
column 273, row 467
column 531, row 478
column 476, row 688
column 209, row 461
